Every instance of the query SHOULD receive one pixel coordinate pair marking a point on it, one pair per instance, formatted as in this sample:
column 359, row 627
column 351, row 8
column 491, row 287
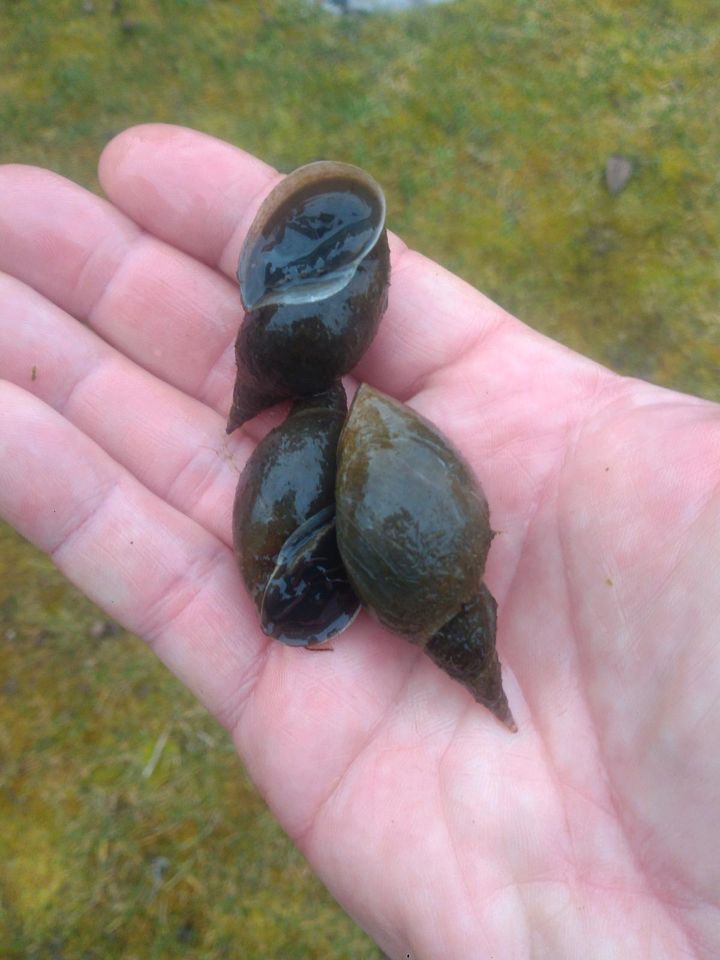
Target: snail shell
column 313, row 274
column 284, row 526
column 412, row 520
column 413, row 531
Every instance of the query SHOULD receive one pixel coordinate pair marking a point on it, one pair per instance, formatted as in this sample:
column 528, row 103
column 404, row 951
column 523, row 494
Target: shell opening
column 310, row 235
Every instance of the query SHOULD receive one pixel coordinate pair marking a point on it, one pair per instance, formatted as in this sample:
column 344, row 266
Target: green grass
column 489, row 124
column 128, row 826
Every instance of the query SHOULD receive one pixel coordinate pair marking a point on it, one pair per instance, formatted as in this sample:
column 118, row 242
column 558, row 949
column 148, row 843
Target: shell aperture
column 308, row 598
column 311, row 246
column 288, row 485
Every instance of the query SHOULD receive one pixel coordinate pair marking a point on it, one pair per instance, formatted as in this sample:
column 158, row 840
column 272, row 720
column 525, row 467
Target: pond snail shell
column 413, row 531
column 314, row 273
column 284, row 525
column 375, row 507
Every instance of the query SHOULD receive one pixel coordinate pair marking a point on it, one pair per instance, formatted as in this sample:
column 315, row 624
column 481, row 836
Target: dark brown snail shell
column 313, row 273
column 284, row 526
column 414, row 533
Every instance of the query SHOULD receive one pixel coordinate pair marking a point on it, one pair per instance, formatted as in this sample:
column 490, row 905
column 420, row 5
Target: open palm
column 593, row 832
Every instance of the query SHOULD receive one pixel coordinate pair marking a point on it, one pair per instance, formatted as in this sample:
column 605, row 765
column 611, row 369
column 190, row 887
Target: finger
column 173, row 444
column 433, row 318
column 171, row 314
column 166, row 178
column 154, row 570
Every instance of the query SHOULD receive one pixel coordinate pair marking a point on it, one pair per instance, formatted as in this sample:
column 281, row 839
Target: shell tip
column 501, row 710
column 510, row 724
column 247, row 403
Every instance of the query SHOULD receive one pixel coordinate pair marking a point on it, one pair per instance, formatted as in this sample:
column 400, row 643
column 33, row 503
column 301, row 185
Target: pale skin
column 592, row 832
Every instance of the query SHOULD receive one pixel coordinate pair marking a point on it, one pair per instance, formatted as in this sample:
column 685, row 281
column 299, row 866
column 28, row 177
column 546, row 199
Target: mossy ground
column 489, row 122
column 128, row 827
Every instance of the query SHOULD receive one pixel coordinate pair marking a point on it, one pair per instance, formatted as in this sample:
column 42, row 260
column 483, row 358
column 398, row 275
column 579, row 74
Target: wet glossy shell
column 412, row 521
column 308, row 598
column 314, row 274
column 465, row 649
column 310, row 234
column 288, row 480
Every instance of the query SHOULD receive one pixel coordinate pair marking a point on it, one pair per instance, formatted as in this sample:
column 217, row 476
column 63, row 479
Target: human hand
column 590, row 833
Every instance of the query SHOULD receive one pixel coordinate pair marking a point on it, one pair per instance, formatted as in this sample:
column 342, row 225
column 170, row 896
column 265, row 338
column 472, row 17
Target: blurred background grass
column 128, row 827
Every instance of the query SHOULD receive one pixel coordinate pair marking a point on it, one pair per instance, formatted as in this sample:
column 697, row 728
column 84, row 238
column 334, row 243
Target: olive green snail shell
column 413, row 531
